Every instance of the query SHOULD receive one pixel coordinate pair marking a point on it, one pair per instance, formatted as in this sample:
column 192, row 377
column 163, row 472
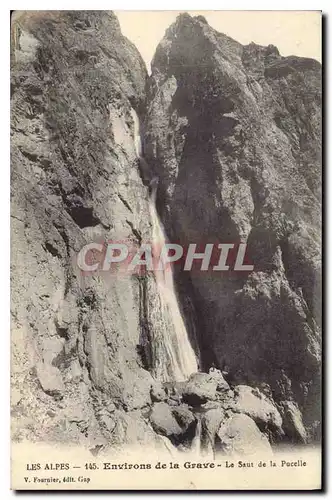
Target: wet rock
column 239, row 435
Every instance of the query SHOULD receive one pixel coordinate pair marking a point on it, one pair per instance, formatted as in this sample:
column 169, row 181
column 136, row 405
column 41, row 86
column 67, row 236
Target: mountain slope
column 233, row 132
column 77, row 372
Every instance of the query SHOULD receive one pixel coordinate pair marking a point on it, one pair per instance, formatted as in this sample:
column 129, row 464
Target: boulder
column 200, row 388
column 211, row 405
column 239, row 435
column 157, row 392
column 132, row 430
column 258, row 407
column 174, row 401
column 163, row 420
column 50, row 379
column 136, row 392
column 217, row 375
column 211, row 421
column 184, row 417
column 174, row 394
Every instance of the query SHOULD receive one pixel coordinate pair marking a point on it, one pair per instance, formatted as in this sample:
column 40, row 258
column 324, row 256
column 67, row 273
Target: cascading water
column 173, row 356
column 196, row 442
column 180, row 359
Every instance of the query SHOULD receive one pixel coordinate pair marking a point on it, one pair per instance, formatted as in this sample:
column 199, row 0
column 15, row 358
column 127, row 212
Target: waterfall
column 137, row 135
column 179, row 357
column 172, row 450
column 173, row 356
column 196, row 442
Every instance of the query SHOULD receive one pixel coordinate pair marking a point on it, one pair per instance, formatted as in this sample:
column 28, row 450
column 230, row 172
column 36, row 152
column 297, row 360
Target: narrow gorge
column 221, row 143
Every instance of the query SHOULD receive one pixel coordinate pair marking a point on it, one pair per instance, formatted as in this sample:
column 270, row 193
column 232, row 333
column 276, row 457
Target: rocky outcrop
column 257, row 406
column 202, row 387
column 78, row 373
column 163, row 420
column 234, row 133
column 292, row 422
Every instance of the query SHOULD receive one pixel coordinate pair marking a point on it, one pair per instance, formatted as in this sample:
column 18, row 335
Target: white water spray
column 180, row 359
column 174, row 358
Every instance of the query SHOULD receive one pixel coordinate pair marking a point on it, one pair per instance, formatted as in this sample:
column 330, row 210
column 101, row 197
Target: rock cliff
column 233, row 134
column 76, row 81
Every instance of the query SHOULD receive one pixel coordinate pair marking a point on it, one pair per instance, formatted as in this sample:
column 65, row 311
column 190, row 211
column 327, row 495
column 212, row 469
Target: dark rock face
column 233, row 133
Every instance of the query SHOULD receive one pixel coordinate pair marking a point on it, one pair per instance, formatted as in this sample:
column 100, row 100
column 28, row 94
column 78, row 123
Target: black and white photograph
column 166, row 250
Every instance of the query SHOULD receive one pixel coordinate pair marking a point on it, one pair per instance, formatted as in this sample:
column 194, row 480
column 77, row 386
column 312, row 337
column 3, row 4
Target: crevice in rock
column 52, row 250
column 135, row 232
column 144, row 346
column 83, row 216
column 126, row 204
